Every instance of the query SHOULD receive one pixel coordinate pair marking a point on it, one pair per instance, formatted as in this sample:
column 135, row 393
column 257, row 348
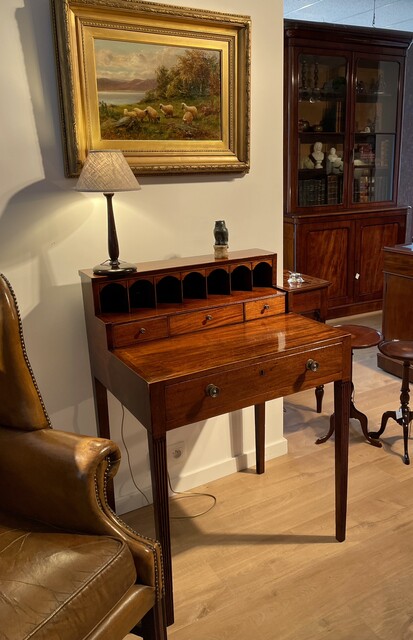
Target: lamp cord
column 180, row 494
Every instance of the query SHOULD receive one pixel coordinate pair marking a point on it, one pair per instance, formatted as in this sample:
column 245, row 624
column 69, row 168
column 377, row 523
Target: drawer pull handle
column 142, row 330
column 212, row 391
column 266, row 307
column 312, row 365
column 208, row 317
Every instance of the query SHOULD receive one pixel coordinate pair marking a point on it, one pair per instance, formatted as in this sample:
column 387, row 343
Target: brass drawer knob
column 312, row 365
column 142, row 330
column 266, row 307
column 212, row 391
column 208, row 317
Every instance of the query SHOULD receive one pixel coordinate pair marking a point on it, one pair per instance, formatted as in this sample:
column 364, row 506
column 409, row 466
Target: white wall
column 48, row 232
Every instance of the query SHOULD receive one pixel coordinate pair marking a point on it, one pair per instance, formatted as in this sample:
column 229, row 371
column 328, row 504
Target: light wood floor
column 263, row 564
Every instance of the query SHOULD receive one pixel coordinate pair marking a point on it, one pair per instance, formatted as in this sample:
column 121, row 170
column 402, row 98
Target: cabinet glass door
column 321, row 124
column 375, row 130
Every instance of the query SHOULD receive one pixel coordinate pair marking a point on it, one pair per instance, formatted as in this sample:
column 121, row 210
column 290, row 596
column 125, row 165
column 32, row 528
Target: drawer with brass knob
column 205, row 319
column 265, row 307
column 126, row 333
column 209, row 395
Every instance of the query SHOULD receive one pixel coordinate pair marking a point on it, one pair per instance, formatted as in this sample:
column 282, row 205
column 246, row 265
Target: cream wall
column 48, row 232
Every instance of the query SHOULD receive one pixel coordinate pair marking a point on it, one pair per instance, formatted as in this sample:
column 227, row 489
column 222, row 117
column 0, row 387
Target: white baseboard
column 185, row 482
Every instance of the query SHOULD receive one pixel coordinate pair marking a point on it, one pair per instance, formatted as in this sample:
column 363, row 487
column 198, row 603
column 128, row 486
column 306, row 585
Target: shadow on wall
column 38, row 228
column 35, row 224
column 54, row 329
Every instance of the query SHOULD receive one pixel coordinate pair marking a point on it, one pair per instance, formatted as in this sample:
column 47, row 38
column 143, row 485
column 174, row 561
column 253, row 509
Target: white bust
column 332, row 156
column 334, row 159
column 316, row 157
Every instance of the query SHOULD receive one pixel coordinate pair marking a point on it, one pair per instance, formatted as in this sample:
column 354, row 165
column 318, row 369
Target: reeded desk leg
column 260, row 437
column 100, row 395
column 159, row 476
column 342, row 392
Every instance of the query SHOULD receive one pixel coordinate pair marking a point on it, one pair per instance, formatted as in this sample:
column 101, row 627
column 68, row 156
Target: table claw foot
column 328, row 434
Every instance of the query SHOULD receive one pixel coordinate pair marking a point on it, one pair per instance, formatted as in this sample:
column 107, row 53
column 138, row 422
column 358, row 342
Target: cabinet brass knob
column 266, row 307
column 208, row 317
column 212, row 391
column 312, row 365
column 142, row 330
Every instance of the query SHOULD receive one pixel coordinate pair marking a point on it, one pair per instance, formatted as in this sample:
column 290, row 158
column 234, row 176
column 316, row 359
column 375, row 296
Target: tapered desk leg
column 342, row 391
column 159, row 476
column 260, row 437
column 100, row 395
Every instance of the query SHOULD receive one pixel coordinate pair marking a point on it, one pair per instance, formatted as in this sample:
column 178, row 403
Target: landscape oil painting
column 169, row 87
column 157, row 92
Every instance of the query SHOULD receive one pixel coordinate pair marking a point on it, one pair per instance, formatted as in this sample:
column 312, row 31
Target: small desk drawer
column 305, row 301
column 206, row 319
column 204, row 397
column 265, row 307
column 130, row 332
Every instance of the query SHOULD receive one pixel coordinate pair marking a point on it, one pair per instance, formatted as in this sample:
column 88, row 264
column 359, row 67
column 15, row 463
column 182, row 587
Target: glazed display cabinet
column 343, row 113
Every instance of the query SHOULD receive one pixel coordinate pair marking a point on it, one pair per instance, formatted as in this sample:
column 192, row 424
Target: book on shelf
column 338, row 127
column 320, row 191
column 334, row 185
column 371, row 189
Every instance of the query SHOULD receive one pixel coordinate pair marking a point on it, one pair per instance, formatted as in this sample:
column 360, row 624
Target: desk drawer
column 131, row 332
column 191, row 401
column 206, row 319
column 306, row 301
column 265, row 307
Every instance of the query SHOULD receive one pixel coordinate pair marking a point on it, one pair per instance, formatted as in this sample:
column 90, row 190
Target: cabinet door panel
column 327, row 253
column 372, row 238
column 375, row 137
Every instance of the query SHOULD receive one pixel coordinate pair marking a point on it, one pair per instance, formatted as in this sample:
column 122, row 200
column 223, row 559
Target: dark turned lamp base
column 114, row 270
column 113, row 267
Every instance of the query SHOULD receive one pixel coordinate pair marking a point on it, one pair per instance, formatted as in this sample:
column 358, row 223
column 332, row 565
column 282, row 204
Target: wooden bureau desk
column 181, row 341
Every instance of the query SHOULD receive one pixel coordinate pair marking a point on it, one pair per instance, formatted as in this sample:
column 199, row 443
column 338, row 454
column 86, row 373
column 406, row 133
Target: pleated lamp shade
column 107, row 172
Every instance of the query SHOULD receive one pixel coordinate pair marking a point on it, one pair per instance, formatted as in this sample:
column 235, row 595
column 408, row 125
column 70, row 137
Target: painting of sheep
column 157, row 92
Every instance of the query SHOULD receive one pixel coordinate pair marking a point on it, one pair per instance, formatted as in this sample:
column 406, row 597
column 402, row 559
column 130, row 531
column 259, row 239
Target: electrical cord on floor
column 127, row 454
column 180, row 494
column 191, row 494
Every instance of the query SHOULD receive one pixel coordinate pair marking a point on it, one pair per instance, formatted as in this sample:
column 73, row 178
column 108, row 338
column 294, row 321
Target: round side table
column 399, row 350
column 361, row 338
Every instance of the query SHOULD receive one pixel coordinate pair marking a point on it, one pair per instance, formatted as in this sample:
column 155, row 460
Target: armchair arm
column 59, row 479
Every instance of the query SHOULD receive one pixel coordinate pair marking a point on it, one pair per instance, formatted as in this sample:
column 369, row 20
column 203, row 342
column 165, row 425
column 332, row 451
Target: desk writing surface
column 198, row 353
column 249, row 363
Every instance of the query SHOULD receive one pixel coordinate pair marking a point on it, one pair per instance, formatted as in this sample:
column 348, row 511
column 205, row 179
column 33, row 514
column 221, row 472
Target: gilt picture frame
column 168, row 86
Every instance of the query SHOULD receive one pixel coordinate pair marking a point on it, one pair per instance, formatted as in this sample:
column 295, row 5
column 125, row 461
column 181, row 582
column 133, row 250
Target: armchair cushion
column 58, row 585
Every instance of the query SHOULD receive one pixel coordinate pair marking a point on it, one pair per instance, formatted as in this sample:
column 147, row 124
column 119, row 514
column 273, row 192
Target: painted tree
column 199, row 71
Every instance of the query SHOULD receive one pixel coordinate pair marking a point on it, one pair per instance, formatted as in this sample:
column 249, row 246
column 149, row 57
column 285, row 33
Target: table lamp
column 107, row 172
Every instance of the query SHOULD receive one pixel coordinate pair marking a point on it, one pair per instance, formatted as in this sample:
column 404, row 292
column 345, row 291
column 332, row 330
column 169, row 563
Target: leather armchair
column 70, row 569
